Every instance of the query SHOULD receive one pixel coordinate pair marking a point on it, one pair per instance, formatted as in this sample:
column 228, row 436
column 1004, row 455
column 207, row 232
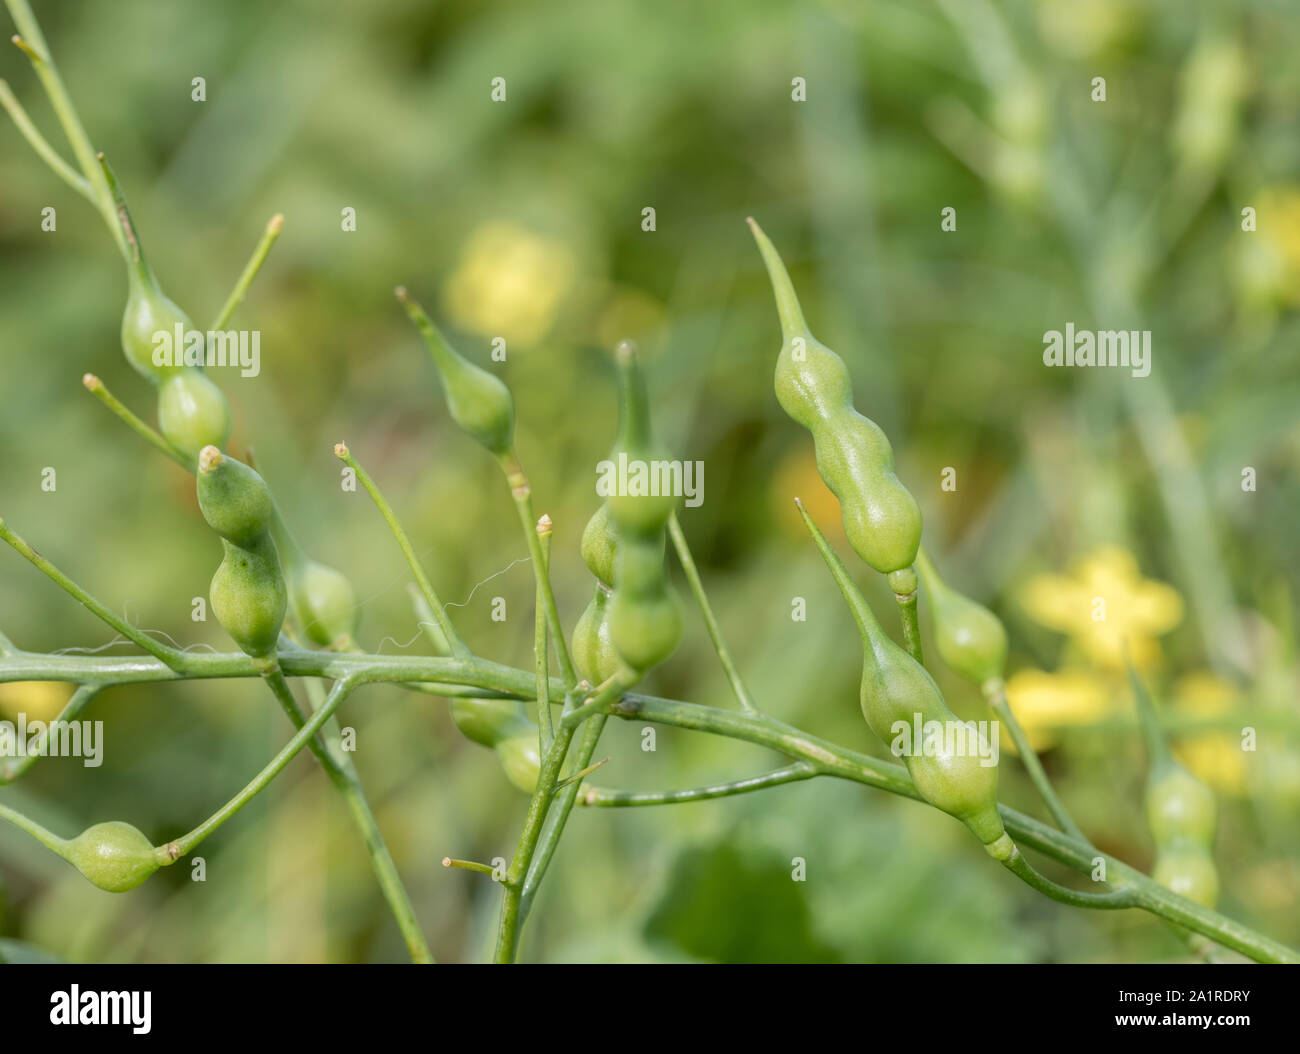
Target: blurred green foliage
column 523, row 219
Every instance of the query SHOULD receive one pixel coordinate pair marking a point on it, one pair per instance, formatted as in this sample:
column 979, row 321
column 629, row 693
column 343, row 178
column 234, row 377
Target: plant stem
column 551, row 837
column 43, row 62
column 16, row 767
column 1021, row 868
column 47, row 838
column 552, row 761
column 833, row 760
column 97, row 388
column 799, row 770
column 545, row 727
column 996, row 694
column 184, row 845
column 454, row 642
column 345, row 779
column 171, row 656
column 469, row 865
column 522, row 494
column 251, row 268
column 706, row 611
column 911, row 625
column 41, row 145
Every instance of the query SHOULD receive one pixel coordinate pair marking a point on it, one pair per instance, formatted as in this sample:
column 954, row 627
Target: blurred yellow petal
column 1156, row 607
column 1054, row 602
column 1216, row 760
column 1045, row 702
column 39, row 700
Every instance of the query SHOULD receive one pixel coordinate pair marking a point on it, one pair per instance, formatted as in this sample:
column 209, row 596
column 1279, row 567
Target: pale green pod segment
column 233, row 498
column 1180, row 808
column 479, row 402
column 600, row 545
column 1189, row 872
column 635, row 442
column 594, row 655
column 193, row 412
column 114, row 856
column 489, row 721
column 249, row 597
column 149, row 312
column 970, row 639
column 323, row 603
column 521, row 760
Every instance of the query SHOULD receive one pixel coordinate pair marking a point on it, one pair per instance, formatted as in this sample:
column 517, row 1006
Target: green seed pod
column 645, row 619
column 323, row 603
column 115, row 856
column 854, row 458
column 248, row 592
column 479, row 401
column 234, row 499
column 594, row 654
column 898, row 693
column 970, row 638
column 1181, row 812
column 193, row 412
column 521, row 760
column 1189, row 872
column 489, row 721
column 1180, row 808
column 148, row 310
column 249, row 597
column 600, row 545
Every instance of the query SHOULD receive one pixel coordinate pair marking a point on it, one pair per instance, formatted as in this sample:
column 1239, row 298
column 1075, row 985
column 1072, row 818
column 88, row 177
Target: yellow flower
column 1046, row 702
column 509, row 283
column 1215, row 757
column 39, row 700
column 1104, row 606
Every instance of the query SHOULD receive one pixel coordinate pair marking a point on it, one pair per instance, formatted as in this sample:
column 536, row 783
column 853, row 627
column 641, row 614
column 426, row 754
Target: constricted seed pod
column 479, row 402
column 600, row 546
column 503, row 725
column 248, row 592
column 645, row 619
column 970, row 638
column 854, row 458
column 594, row 655
column 951, row 770
column 521, row 760
column 324, row 603
column 115, row 856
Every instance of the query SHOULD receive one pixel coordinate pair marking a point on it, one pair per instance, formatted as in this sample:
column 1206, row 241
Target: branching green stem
column 710, row 621
column 799, row 770
column 97, row 388
column 171, row 656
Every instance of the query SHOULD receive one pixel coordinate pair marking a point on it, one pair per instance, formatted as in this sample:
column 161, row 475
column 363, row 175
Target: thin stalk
column 184, row 845
column 17, row 766
column 32, row 41
column 706, row 611
column 511, row 920
column 454, row 642
column 911, row 624
column 600, row 796
column 171, row 656
column 551, row 836
column 1113, row 899
column 97, row 388
column 41, row 145
column 522, row 494
column 348, row 784
column 995, row 692
column 545, row 726
column 47, row 838
column 469, row 865
column 251, row 268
